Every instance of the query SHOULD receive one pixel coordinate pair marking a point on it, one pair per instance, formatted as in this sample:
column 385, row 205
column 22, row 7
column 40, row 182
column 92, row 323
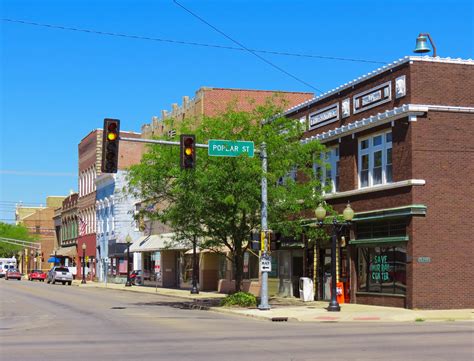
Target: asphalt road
column 55, row 322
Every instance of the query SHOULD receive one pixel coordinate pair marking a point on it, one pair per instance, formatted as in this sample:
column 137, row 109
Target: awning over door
column 156, row 242
column 66, row 252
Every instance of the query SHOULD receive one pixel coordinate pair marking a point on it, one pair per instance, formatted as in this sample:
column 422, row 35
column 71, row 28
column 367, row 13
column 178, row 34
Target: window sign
column 382, row 269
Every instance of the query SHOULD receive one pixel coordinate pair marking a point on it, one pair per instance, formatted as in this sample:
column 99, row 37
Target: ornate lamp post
column 128, row 239
column 83, row 263
column 337, row 227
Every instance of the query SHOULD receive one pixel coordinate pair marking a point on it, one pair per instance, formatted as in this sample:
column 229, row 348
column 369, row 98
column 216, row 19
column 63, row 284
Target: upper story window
column 375, row 160
column 328, row 170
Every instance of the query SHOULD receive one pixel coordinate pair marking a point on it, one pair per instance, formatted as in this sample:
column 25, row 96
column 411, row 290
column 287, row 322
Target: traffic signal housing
column 110, row 145
column 187, row 146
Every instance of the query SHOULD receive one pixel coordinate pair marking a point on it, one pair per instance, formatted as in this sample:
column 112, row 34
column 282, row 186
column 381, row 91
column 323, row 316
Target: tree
column 18, row 232
column 219, row 202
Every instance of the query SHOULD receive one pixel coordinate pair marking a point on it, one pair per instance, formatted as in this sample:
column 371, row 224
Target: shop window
column 375, row 160
column 381, row 229
column 382, row 269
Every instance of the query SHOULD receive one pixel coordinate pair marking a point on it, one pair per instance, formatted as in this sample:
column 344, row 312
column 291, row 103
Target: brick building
column 212, row 101
column 399, row 144
column 40, row 224
column 90, row 158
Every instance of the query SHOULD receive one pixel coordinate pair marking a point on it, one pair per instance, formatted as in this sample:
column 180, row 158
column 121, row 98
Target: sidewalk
column 290, row 309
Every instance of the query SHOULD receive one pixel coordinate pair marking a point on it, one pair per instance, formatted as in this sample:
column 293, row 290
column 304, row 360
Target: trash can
column 306, row 289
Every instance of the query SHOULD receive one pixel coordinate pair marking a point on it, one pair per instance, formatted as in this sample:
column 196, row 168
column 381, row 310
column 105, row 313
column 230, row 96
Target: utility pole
column 265, row 256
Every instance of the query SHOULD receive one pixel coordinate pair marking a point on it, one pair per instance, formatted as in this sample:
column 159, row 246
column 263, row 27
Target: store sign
column 379, row 268
column 372, row 97
column 324, row 116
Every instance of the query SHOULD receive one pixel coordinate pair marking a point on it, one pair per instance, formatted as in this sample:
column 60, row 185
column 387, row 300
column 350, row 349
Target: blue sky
column 58, row 85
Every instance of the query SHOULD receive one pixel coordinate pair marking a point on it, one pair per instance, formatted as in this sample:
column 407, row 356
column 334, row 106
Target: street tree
column 16, row 232
column 219, row 202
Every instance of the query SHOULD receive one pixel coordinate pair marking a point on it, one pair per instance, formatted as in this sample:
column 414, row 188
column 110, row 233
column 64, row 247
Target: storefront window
column 382, row 269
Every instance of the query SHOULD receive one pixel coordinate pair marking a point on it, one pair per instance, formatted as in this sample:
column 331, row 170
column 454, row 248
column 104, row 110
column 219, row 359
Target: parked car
column 13, row 273
column 37, row 275
column 59, row 274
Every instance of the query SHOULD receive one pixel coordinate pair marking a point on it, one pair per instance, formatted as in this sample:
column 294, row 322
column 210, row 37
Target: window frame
column 370, row 152
column 333, row 161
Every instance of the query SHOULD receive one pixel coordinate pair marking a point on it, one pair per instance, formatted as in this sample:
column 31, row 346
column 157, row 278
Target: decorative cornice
column 380, row 118
column 371, row 74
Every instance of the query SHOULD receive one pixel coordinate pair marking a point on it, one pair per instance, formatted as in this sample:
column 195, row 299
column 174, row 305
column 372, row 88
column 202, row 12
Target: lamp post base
column 194, row 291
column 83, row 281
column 128, row 284
column 334, row 307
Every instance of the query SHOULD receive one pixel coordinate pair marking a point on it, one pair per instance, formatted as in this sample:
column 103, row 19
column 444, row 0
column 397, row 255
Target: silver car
column 59, row 274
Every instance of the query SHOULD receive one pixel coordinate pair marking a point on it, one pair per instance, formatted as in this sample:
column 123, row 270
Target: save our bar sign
column 230, row 148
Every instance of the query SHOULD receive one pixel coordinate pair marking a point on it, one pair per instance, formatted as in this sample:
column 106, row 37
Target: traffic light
column 187, row 146
column 110, row 145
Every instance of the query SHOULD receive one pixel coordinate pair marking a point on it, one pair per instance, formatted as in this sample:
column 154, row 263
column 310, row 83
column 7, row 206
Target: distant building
column 212, row 101
column 40, row 224
column 115, row 225
column 90, row 158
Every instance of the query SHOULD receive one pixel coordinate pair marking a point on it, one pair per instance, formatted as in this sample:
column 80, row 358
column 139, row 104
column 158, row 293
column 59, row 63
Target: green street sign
column 230, row 148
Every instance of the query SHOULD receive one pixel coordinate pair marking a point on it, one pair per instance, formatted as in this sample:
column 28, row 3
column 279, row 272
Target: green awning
column 382, row 240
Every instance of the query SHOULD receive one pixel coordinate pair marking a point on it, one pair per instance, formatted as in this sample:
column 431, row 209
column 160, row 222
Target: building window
column 375, row 160
column 382, row 269
column 328, row 170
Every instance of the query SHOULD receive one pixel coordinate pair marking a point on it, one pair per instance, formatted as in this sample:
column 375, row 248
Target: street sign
column 230, row 148
column 265, row 264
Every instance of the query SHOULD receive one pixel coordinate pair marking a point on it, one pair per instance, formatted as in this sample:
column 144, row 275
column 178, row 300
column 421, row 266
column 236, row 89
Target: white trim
column 407, row 110
column 406, row 59
column 377, row 188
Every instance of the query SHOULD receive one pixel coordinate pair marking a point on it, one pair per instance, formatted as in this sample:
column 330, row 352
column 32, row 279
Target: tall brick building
column 400, row 143
column 90, row 158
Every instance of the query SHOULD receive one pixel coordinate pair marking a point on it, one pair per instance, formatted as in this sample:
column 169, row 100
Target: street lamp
column 337, row 227
column 83, row 263
column 128, row 239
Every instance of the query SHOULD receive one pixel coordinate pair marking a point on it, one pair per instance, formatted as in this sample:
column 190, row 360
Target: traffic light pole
column 264, row 305
column 264, row 287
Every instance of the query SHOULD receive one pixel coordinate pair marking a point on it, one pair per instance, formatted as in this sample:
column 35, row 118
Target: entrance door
column 297, row 272
column 324, row 274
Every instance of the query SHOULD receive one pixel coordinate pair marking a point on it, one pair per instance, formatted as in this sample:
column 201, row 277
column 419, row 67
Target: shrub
column 242, row 299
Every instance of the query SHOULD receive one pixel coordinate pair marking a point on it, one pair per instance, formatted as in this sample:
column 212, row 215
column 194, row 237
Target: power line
column 139, row 37
column 247, row 49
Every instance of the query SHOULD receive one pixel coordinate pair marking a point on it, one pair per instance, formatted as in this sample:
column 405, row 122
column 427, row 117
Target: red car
column 37, row 275
column 13, row 273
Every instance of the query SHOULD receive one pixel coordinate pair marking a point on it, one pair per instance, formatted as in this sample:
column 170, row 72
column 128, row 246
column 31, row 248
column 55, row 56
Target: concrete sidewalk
column 291, row 309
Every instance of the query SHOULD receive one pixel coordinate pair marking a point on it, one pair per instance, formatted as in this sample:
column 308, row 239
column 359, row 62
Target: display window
column 382, row 269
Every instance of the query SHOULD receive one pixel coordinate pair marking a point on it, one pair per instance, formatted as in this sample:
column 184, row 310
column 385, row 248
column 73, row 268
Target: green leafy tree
column 12, row 231
column 219, row 202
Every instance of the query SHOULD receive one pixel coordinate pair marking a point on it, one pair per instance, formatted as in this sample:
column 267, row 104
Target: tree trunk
column 238, row 262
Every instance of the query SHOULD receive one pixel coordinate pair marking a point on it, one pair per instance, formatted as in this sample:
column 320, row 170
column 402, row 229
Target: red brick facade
column 432, row 151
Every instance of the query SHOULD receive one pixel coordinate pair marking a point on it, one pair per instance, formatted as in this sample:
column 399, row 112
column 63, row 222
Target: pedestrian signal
column 110, row 145
column 187, row 151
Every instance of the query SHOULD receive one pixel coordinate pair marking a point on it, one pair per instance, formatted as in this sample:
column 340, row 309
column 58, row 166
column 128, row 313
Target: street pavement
column 55, row 322
column 296, row 310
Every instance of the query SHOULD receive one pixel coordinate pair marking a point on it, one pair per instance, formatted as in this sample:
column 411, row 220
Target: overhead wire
column 247, row 49
column 140, row 37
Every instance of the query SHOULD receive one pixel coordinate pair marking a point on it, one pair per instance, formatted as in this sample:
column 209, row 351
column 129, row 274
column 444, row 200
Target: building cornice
column 412, row 111
column 377, row 188
column 396, row 63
